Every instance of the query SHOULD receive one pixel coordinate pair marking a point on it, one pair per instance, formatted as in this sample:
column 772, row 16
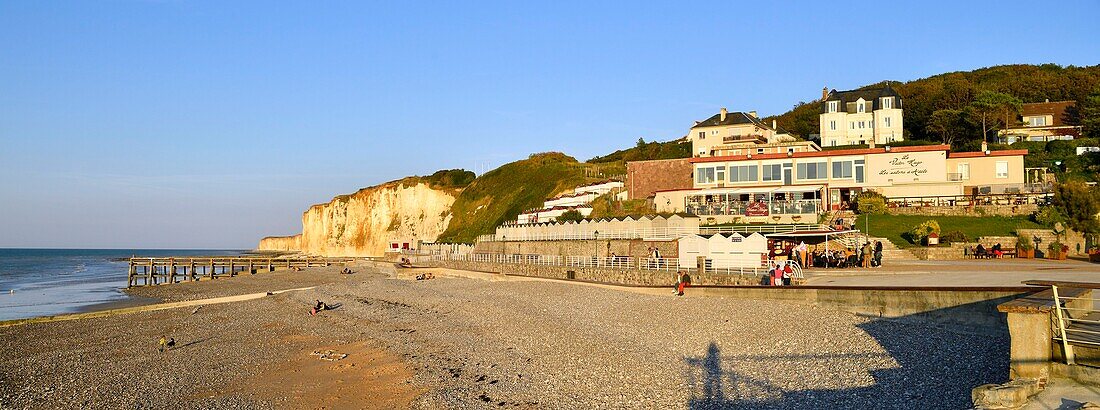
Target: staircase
column 893, row 253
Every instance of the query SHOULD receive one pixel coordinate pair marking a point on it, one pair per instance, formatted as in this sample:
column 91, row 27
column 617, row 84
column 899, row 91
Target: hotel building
column 795, row 187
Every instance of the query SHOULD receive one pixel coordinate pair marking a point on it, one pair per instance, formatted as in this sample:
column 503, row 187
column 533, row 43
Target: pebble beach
column 460, row 342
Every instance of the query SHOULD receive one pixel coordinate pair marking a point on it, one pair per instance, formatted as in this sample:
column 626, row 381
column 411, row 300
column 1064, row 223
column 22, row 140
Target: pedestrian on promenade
column 681, row 282
column 878, row 253
column 777, row 275
column 787, row 273
column 867, row 254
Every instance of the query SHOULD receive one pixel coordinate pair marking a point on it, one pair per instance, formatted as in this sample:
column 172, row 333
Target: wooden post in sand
column 130, row 274
column 231, row 266
column 192, row 275
column 171, row 270
column 211, row 272
column 269, row 267
column 250, row 271
column 149, row 273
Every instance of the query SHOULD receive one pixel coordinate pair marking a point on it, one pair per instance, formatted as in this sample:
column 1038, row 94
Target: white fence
column 557, row 232
column 617, row 262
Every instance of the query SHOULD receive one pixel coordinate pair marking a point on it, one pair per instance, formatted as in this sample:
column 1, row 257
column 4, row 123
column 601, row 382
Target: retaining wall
column 980, row 210
column 605, row 275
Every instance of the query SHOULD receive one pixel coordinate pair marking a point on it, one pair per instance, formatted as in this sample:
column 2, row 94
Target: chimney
column 824, row 93
column 985, row 146
column 752, row 114
column 773, row 126
column 871, row 143
column 722, row 114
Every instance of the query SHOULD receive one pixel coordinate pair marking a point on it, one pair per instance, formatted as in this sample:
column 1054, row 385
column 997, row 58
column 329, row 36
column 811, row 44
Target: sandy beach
column 467, row 342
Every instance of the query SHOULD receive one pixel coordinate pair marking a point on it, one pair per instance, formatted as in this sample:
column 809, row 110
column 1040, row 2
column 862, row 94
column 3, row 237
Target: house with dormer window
column 865, row 116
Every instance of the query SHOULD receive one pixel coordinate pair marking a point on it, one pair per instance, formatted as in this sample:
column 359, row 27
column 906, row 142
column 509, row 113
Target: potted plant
column 1025, row 247
column 1057, row 250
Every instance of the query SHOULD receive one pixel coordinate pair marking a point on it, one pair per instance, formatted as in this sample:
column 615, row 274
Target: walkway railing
column 1041, row 198
column 667, row 233
column 1077, row 321
column 616, row 262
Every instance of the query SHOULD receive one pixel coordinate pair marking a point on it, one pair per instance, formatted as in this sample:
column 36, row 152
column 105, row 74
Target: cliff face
column 364, row 223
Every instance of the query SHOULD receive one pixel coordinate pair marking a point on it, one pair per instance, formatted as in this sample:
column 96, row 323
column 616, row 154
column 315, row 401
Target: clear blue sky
column 211, row 124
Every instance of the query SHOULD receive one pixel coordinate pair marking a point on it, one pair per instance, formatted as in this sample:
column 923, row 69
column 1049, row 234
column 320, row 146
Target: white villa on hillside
column 867, row 116
column 579, row 201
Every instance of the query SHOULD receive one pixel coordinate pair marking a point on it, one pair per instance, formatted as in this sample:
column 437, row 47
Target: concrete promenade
column 983, row 272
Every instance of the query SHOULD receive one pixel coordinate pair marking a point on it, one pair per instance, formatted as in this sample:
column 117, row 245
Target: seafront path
column 956, row 273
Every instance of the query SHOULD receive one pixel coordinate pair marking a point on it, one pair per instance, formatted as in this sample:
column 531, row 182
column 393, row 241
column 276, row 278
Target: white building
column 865, row 116
column 579, row 200
column 723, row 251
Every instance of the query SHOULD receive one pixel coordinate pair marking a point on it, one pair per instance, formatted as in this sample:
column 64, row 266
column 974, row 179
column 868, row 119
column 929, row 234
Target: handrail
column 1066, row 284
column 616, row 262
column 1071, row 324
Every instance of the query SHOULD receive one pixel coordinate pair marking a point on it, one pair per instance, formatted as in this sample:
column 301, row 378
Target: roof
column 1056, row 109
column 871, row 95
column 1000, row 153
column 732, row 118
column 833, row 153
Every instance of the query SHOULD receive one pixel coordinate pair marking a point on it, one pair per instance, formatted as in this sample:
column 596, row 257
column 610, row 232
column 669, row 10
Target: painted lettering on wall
column 905, row 165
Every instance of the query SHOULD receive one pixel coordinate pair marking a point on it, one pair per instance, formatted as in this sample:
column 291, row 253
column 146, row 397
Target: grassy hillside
column 1029, row 83
column 647, row 151
column 501, row 194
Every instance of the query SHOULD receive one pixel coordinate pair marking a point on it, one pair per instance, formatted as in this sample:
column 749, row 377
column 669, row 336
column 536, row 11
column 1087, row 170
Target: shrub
column 1057, row 247
column 919, row 233
column 1048, row 216
column 570, row 215
column 953, row 237
column 1025, row 243
column 870, row 202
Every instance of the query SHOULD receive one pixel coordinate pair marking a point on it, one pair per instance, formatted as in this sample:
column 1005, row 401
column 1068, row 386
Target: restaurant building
column 796, row 187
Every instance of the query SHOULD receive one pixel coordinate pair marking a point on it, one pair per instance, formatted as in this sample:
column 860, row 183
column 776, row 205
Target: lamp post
column 596, row 240
column 503, row 245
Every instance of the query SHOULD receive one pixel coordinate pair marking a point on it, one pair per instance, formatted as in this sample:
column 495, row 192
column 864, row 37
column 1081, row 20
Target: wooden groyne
column 153, row 271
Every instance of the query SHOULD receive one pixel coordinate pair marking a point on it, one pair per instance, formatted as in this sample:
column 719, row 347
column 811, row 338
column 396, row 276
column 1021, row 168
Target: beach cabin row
column 723, row 251
column 645, row 227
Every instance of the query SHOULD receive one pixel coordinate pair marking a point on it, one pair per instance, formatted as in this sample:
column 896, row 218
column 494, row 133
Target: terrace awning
column 798, row 188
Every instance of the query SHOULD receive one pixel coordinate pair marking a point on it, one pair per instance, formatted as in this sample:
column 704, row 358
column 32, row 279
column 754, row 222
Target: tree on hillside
column 948, row 124
column 992, row 108
column 1080, row 204
column 570, row 215
column 1088, row 115
column 640, row 143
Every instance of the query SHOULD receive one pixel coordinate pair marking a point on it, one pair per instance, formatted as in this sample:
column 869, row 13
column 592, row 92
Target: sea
column 44, row 282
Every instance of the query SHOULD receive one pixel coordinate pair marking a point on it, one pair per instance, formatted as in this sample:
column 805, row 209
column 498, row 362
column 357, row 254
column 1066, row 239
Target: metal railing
column 618, row 262
column 646, row 233
column 969, row 200
column 1076, row 321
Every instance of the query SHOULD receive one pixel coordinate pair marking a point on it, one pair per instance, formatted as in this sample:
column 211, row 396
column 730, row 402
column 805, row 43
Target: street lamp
column 596, row 240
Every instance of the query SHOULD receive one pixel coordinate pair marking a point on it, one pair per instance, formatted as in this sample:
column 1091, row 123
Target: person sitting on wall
column 997, row 252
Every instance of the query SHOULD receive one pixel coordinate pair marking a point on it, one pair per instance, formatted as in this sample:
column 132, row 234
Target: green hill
column 501, row 194
column 646, row 151
column 955, row 90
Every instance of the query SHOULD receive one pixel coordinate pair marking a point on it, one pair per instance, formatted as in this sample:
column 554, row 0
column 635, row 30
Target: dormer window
column 860, row 107
column 887, row 102
column 1037, row 121
column 832, row 106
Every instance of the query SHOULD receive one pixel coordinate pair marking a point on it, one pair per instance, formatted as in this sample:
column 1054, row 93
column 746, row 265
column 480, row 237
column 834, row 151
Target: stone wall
column 980, row 210
column 637, row 248
column 644, row 178
column 603, row 275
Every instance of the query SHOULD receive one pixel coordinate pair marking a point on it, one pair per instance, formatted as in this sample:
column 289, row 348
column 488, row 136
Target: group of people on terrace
column 867, row 256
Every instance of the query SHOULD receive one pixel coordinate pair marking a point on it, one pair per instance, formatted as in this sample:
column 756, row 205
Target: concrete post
column 1030, row 346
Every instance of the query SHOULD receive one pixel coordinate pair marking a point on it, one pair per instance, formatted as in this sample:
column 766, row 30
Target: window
column 859, row 170
column 1037, row 121
column 702, row 135
column 886, row 120
column 861, row 125
column 832, row 125
column 832, row 106
column 853, row 125
column 842, row 169
column 704, row 175
column 773, row 172
column 811, row 170
column 859, row 107
column 743, row 173
column 887, row 102
column 1002, row 169
column 720, row 173
column 871, row 123
column 759, row 150
column 964, row 171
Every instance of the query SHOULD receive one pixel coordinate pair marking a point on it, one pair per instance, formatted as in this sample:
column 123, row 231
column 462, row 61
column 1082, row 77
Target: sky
column 180, row 124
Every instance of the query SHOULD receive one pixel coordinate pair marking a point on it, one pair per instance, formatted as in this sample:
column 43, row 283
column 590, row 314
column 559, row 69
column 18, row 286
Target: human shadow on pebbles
column 929, row 367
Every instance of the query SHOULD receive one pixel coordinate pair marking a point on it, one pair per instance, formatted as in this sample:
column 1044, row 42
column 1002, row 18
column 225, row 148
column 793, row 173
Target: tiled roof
column 732, row 118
